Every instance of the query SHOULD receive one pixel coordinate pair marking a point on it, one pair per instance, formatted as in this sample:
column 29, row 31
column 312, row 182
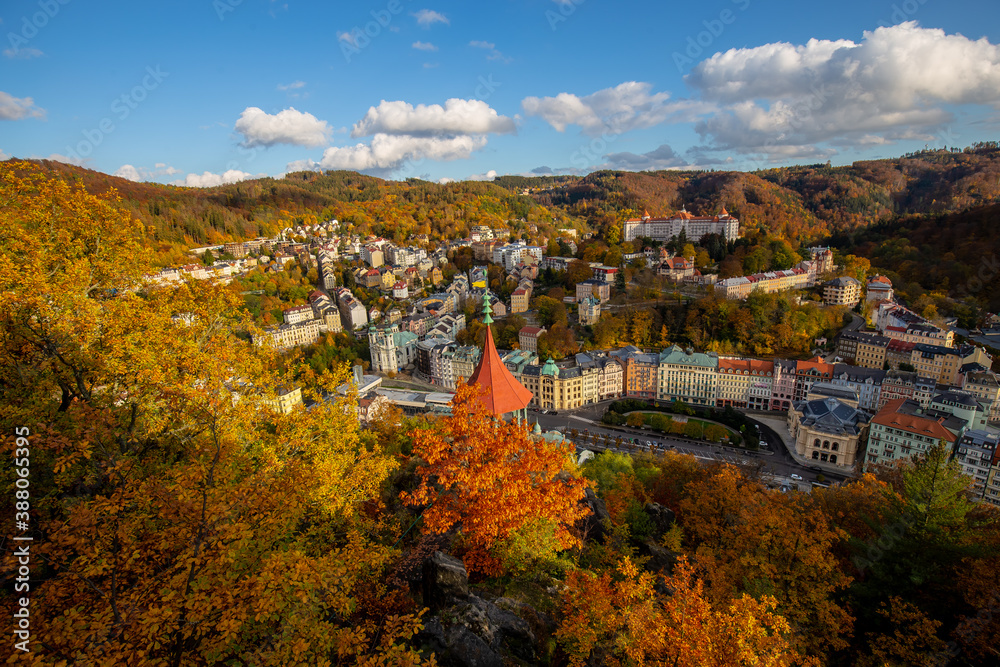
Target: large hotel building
column 694, row 227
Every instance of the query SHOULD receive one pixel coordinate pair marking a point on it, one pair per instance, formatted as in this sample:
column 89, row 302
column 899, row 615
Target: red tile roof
column 503, row 392
column 890, row 417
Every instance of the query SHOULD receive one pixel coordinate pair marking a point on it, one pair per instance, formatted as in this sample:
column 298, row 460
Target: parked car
column 796, row 477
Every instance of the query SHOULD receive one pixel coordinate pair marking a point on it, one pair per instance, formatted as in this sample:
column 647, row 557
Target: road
column 774, row 460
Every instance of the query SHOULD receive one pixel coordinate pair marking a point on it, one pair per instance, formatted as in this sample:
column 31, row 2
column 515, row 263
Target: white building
column 694, row 227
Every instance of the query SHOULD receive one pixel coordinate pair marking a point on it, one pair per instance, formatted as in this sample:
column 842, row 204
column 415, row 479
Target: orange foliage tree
column 747, row 539
column 621, row 619
column 491, row 478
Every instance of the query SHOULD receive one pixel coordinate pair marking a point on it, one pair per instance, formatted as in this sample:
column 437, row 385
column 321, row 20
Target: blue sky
column 214, row 91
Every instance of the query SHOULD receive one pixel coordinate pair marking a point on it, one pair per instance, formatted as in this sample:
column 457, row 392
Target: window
column 816, row 455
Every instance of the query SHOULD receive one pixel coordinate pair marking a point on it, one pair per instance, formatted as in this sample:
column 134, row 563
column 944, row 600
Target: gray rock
column 660, row 559
column 663, row 517
column 478, row 632
column 444, row 581
column 594, row 524
column 457, row 646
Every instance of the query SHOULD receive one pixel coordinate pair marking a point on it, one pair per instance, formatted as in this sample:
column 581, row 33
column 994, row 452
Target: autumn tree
column 177, row 518
column 621, row 619
column 748, row 540
column 492, row 480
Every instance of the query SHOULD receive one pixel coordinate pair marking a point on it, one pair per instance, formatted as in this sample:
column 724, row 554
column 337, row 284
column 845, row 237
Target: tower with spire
column 502, row 394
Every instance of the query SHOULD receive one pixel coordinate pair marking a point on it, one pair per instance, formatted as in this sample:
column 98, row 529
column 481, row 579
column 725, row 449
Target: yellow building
column 286, row 400
column 555, row 388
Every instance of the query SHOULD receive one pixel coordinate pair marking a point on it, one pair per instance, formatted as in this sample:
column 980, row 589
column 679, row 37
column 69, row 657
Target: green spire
column 487, row 320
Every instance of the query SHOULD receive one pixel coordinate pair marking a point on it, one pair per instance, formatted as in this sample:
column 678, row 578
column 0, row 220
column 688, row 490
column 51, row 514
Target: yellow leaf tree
column 177, row 519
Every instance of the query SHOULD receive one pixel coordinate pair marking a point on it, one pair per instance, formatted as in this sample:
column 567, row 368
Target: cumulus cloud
column 663, row 157
column 783, row 99
column 424, row 46
column 389, row 152
column 3, row 156
column 16, row 108
column 488, row 176
column 427, row 17
column 285, row 127
column 210, row 180
column 22, row 54
column 457, row 116
column 140, row 174
column 627, row 106
column 294, row 85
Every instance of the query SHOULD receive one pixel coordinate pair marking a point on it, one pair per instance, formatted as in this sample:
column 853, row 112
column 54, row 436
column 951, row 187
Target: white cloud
column 140, row 174
column 424, row 46
column 488, row 176
column 347, row 37
column 445, row 180
column 23, row 54
column 457, row 116
column 58, row 157
column 16, row 108
column 387, row 153
column 428, row 17
column 492, row 48
column 294, row 85
column 3, row 156
column 285, row 127
column 663, row 157
column 627, row 106
column 783, row 99
column 210, row 180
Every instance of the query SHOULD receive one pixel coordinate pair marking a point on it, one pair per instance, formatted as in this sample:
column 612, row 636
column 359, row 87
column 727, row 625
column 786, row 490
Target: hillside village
column 875, row 396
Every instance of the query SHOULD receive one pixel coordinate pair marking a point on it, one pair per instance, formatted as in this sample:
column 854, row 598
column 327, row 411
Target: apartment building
column 985, row 386
column 862, row 348
column 903, row 429
column 843, row 291
column 595, row 288
column 528, row 337
column 688, row 376
column 744, row 383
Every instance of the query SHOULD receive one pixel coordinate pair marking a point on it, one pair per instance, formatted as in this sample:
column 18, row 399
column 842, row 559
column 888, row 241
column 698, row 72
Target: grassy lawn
column 691, row 427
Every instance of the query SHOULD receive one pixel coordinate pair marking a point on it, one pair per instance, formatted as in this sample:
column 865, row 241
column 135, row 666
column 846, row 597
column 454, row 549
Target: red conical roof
column 503, row 392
